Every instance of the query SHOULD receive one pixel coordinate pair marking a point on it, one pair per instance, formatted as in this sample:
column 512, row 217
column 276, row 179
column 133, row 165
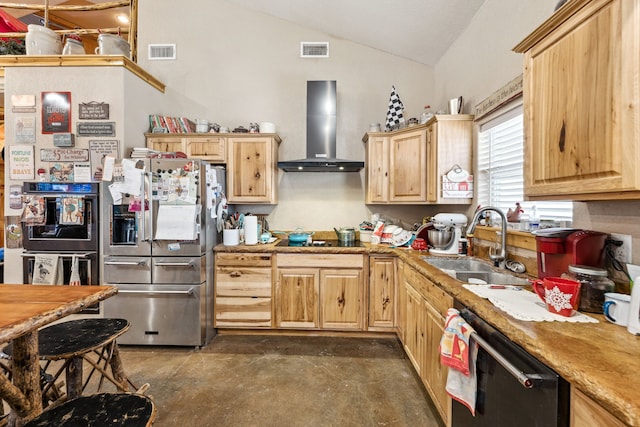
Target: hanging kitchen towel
column 47, row 270
column 34, row 211
column 458, row 350
column 71, row 210
column 454, row 345
column 74, row 280
column 395, row 112
column 461, row 387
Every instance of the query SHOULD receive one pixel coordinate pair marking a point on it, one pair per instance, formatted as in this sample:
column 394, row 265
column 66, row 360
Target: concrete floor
column 282, row 381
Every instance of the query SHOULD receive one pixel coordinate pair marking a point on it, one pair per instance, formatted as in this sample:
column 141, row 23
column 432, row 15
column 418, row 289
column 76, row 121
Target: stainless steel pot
column 346, row 234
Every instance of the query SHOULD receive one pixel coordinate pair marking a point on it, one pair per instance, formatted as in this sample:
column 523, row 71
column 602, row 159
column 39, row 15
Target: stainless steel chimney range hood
column 321, row 133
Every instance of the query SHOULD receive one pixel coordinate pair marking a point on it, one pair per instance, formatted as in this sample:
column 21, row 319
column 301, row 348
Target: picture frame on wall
column 56, row 112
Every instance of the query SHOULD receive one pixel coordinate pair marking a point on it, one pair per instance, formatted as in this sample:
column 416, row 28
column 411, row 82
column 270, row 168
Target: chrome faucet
column 501, row 257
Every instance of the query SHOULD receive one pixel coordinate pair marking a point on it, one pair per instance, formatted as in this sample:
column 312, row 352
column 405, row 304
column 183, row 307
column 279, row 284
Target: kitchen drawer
column 242, row 312
column 243, row 282
column 243, row 259
column 438, row 298
column 320, row 260
column 123, row 269
column 179, row 270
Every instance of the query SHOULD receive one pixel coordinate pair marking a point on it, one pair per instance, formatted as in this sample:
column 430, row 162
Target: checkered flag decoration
column 396, row 108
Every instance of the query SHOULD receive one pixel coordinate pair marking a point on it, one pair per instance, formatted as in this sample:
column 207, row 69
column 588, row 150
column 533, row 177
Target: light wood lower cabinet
column 585, row 412
column 423, row 306
column 242, row 290
column 382, row 293
column 320, row 291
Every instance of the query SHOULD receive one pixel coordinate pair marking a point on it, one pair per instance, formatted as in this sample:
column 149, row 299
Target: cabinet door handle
column 561, row 140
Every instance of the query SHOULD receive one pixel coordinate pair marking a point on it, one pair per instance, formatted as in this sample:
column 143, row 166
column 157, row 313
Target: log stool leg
column 118, row 370
column 74, row 377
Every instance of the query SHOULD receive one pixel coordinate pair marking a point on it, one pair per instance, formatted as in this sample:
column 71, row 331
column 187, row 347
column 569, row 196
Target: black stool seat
column 68, row 339
column 75, row 341
column 99, row 410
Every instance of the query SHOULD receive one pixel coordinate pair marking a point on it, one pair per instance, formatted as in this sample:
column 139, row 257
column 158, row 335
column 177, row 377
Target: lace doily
column 523, row 304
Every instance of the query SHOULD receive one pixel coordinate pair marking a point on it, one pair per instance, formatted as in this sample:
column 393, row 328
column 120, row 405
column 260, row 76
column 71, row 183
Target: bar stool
column 99, row 410
column 76, row 341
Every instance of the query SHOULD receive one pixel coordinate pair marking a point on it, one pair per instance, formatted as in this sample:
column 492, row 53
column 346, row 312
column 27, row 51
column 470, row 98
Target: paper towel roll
column 250, row 230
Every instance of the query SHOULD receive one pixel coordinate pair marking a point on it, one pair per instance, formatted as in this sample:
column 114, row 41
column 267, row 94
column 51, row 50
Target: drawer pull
column 235, row 274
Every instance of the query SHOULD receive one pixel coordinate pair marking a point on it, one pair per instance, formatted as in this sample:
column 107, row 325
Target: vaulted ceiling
column 420, row 30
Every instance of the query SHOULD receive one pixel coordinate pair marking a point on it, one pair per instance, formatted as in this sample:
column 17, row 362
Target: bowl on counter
column 440, row 239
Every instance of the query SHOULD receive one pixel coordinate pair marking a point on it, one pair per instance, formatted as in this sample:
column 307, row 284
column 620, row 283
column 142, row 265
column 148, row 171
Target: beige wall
column 236, row 66
column 128, row 96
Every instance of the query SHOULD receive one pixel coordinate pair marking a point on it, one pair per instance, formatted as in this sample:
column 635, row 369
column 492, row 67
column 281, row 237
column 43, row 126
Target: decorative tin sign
column 21, row 162
column 64, row 154
column 56, row 112
column 63, row 140
column 96, row 128
column 93, row 111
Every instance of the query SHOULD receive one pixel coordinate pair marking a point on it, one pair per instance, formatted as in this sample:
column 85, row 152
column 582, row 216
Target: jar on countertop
column 594, row 284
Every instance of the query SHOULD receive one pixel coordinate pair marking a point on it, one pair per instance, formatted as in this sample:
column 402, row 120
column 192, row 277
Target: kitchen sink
column 492, row 277
column 465, row 269
column 458, row 264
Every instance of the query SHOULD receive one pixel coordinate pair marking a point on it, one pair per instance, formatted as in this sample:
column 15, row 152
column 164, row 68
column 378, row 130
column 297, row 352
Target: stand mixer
column 446, row 224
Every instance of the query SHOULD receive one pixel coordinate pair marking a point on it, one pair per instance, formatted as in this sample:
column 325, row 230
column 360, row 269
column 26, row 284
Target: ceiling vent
column 314, row 49
column 162, row 51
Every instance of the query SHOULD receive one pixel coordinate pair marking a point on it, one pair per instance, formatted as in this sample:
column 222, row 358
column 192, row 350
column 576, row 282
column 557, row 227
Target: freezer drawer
column 182, row 270
column 124, row 269
column 160, row 314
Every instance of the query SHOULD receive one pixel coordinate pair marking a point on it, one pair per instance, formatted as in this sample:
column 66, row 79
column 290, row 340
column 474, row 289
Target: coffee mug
column 616, row 308
column 419, row 244
column 561, row 296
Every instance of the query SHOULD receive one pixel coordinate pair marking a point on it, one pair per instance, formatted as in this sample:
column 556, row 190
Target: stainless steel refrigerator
column 158, row 230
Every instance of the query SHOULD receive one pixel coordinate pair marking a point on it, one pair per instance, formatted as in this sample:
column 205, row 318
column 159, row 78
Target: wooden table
column 23, row 310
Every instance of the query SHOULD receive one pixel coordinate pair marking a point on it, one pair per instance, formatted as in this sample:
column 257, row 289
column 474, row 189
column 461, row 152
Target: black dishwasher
column 514, row 388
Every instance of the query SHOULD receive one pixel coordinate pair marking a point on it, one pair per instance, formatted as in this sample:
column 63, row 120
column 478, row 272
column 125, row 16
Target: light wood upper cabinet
column 251, row 160
column 377, row 170
column 209, row 147
column 581, row 93
column 252, row 168
column 406, row 166
column 449, row 143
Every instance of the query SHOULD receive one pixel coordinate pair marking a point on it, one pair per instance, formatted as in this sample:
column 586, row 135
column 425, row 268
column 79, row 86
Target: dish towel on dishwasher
column 458, row 351
column 47, row 270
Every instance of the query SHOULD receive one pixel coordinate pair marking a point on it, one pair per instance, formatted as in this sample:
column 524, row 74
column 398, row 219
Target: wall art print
column 56, row 112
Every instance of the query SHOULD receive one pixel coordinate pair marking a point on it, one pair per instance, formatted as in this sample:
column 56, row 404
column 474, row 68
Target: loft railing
column 131, row 31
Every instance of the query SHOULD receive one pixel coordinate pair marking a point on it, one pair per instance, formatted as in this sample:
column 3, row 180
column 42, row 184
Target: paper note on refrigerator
column 177, row 222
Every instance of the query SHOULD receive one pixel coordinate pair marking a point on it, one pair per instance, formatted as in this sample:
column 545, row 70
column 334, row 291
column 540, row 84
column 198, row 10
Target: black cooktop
column 323, row 243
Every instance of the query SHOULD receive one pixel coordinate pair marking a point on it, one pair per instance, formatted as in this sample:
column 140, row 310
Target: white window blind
column 500, row 177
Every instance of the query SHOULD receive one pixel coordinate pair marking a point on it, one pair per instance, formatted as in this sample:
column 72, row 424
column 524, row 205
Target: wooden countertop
column 600, row 359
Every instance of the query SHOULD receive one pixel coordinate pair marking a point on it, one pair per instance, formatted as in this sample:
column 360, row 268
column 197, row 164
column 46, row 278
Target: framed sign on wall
column 56, row 112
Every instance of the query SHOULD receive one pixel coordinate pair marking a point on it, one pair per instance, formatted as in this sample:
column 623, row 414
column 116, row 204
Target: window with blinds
column 499, row 176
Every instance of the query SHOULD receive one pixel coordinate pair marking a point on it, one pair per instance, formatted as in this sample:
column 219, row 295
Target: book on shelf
column 166, row 124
